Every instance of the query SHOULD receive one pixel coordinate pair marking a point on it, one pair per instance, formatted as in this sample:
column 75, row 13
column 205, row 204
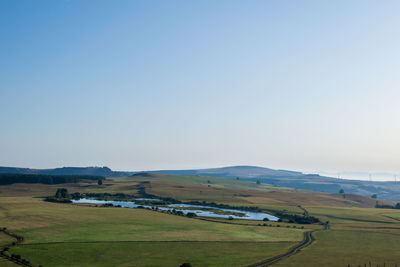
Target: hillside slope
column 384, row 190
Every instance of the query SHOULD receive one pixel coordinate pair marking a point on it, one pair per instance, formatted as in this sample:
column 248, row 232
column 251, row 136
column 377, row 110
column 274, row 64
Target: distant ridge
column 298, row 180
column 243, row 171
column 284, row 178
column 92, row 171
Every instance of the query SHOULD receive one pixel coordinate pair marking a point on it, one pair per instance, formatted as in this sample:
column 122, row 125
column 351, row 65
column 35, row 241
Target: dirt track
column 307, row 240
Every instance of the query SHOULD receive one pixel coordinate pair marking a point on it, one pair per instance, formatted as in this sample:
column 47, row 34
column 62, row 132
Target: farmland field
column 60, row 234
column 56, row 232
column 343, row 247
column 151, row 253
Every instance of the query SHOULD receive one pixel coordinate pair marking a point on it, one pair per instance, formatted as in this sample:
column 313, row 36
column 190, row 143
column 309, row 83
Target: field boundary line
column 4, row 251
column 162, row 241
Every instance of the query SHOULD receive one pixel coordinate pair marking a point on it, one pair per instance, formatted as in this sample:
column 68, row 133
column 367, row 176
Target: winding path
column 307, row 240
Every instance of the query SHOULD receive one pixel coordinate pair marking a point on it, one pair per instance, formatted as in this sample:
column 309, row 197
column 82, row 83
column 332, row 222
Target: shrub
column 62, row 193
column 294, row 218
column 16, row 256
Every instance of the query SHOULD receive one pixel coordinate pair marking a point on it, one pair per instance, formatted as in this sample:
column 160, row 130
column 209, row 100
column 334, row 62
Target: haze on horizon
column 139, row 85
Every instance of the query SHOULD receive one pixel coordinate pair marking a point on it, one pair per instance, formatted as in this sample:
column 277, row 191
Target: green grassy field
column 357, row 236
column 393, row 215
column 57, row 233
column 235, row 192
column 151, row 253
column 343, row 247
column 202, row 180
column 40, row 221
column 81, row 235
column 6, row 263
column 5, row 239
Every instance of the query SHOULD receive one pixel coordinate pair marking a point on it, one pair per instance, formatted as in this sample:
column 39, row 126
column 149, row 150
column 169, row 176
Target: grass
column 40, row 221
column 72, row 235
column 343, row 247
column 362, row 219
column 151, row 253
column 394, row 215
column 234, row 191
column 80, row 235
column 202, row 180
column 5, row 239
column 7, row 263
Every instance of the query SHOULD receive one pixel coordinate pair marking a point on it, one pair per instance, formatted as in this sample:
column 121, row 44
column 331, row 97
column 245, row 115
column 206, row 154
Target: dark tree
column 186, row 264
column 374, row 196
column 76, row 195
column 341, row 191
column 62, row 193
column 99, row 182
column 258, row 182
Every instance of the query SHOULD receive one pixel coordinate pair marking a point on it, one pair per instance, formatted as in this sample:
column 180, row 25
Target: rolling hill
column 285, row 178
column 298, row 180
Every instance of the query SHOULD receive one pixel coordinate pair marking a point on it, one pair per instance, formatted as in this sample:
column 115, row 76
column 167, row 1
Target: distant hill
column 384, row 190
column 194, row 186
column 298, row 180
column 235, row 171
column 93, row 171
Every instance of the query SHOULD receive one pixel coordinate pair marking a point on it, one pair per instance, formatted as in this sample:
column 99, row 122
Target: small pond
column 199, row 210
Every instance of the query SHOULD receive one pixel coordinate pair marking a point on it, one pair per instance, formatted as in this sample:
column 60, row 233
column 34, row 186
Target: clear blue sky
column 135, row 85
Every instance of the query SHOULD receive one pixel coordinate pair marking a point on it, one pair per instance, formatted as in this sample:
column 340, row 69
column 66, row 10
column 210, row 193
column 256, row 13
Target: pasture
column 151, row 253
column 84, row 235
column 343, row 247
column 55, row 233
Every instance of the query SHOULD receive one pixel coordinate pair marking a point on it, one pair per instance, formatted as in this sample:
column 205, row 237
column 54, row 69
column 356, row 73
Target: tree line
column 294, row 218
column 383, row 206
column 13, row 178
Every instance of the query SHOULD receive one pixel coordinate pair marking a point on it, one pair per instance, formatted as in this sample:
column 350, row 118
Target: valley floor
column 58, row 234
